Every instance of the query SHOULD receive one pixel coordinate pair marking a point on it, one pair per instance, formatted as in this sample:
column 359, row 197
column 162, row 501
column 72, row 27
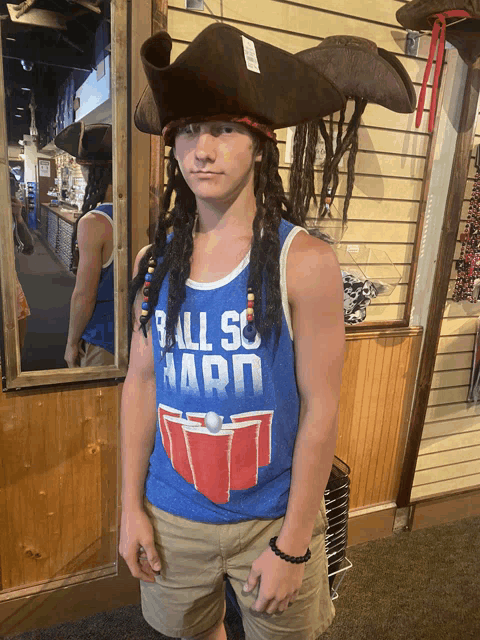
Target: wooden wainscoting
column 377, row 389
column 58, row 492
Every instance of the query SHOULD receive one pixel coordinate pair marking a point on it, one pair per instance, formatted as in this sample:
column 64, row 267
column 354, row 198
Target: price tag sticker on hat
column 250, row 55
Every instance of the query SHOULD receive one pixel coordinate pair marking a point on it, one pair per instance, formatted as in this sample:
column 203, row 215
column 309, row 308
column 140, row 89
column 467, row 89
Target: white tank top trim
column 283, row 276
column 105, row 215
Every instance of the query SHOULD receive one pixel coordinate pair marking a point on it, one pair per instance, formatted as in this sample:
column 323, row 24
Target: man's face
column 216, row 159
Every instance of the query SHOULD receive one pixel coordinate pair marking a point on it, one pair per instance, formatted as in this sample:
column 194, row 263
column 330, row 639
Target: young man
column 90, row 340
column 232, row 481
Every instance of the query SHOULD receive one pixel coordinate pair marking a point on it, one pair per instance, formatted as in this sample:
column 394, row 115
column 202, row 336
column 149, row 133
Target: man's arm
column 315, row 290
column 90, row 238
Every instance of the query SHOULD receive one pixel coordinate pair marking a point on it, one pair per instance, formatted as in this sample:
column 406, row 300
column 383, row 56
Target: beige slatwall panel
column 449, row 458
column 391, row 159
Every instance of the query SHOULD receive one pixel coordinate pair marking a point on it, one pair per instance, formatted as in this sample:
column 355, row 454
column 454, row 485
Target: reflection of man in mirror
column 24, row 243
column 90, row 339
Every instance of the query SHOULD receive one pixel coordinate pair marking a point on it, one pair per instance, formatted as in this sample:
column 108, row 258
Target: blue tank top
column 100, row 328
column 239, row 469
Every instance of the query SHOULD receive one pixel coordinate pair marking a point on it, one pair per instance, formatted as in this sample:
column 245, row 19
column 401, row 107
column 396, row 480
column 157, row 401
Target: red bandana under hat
column 246, row 120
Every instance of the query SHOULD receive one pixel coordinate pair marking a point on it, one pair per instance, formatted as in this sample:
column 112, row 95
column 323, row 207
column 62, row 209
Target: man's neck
column 230, row 221
column 108, row 194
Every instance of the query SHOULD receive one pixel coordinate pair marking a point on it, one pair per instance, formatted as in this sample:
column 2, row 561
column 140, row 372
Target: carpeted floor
column 48, row 287
column 420, row 585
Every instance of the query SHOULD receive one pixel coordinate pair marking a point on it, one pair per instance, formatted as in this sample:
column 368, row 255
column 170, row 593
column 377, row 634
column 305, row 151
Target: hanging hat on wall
column 364, row 73
column 87, row 143
column 457, row 21
column 225, row 74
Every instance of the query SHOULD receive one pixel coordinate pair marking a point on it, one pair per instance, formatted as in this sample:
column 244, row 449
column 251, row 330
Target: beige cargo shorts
column 188, row 595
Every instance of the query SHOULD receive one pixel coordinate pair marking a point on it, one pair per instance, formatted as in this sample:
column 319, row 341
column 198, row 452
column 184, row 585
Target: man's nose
column 205, row 145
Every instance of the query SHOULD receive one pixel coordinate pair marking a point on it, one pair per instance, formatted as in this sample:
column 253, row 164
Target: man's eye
column 188, row 129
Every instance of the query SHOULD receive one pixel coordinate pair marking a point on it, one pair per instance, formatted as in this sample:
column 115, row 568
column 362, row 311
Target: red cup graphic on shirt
column 244, row 454
column 265, row 434
column 209, row 455
column 179, row 455
column 164, row 410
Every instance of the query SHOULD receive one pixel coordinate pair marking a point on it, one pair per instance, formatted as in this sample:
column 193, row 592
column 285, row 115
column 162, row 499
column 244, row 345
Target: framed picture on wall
column 44, row 168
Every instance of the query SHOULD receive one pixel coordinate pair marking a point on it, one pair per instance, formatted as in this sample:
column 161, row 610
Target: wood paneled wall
column 377, row 389
column 60, row 477
column 449, row 457
column 391, row 161
column 58, row 484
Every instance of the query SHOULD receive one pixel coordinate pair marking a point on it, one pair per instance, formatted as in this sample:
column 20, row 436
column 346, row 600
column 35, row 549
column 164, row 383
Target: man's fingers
column 283, row 606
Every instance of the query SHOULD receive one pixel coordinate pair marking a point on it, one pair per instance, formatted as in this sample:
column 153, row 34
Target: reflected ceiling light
column 28, row 66
column 26, row 89
column 17, row 115
column 21, row 108
column 11, row 39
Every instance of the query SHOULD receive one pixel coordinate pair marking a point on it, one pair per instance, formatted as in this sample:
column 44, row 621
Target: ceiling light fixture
column 26, row 89
column 17, row 115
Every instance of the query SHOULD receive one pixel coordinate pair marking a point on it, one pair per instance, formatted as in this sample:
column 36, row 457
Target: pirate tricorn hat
column 226, row 72
column 88, row 143
column 457, row 21
column 364, row 73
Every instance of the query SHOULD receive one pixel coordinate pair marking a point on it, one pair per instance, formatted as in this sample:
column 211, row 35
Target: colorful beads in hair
column 249, row 331
column 152, row 263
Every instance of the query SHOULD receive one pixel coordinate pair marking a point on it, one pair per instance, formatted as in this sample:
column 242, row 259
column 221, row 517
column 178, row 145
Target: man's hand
column 72, row 355
column 280, row 582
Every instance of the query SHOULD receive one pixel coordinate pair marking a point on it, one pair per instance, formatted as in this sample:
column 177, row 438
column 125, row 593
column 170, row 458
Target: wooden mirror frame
column 13, row 377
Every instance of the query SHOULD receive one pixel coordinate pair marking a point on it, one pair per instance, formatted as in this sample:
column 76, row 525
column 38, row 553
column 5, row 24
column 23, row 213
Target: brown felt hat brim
column 211, row 77
column 376, row 76
column 416, row 15
column 86, row 142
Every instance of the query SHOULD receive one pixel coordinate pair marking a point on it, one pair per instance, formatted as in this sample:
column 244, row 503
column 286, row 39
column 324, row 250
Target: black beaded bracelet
column 284, row 556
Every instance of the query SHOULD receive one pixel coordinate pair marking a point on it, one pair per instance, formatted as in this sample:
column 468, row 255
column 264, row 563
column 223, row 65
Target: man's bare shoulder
column 312, row 266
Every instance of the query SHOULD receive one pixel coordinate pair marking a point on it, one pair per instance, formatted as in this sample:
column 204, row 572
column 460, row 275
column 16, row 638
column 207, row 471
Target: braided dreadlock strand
column 352, row 131
column 308, row 184
column 335, row 174
column 265, row 252
column 272, row 205
column 351, row 175
column 297, row 169
column 99, row 179
column 327, row 167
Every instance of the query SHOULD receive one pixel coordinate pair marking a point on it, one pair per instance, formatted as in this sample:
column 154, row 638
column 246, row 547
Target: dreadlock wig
column 302, row 176
column 365, row 73
column 174, row 259
column 99, row 179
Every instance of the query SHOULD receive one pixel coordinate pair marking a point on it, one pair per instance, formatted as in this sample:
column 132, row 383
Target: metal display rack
column 337, row 496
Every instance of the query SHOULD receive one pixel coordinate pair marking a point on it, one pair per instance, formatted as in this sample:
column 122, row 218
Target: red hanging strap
column 438, row 34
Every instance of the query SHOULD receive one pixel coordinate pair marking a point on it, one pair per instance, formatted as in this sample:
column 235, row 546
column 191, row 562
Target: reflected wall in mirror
column 62, row 97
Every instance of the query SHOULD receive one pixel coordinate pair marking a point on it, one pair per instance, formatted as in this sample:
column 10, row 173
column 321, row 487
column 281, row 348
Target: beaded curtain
column 467, row 285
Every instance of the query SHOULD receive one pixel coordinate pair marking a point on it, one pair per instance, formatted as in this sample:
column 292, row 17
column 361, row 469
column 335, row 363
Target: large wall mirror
column 60, row 63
